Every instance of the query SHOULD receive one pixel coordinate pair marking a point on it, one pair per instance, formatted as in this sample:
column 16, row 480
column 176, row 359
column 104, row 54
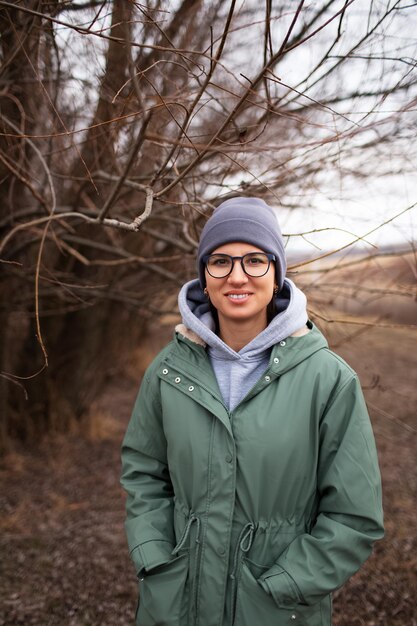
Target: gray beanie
column 249, row 220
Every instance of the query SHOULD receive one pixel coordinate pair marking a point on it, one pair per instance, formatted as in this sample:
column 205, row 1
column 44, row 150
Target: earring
column 206, row 293
column 276, row 290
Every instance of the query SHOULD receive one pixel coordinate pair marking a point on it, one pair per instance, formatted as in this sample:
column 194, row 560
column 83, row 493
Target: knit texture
column 249, row 220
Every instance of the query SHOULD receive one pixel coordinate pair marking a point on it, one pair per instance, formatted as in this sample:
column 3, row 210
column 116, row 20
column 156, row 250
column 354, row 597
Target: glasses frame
column 270, row 257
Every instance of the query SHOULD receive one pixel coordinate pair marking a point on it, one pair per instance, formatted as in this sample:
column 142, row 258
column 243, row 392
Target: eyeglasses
column 254, row 264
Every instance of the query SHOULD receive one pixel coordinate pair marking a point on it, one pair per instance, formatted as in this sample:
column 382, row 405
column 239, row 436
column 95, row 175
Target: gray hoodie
column 238, row 372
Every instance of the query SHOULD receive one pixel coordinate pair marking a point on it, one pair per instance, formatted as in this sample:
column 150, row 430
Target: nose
column 237, row 276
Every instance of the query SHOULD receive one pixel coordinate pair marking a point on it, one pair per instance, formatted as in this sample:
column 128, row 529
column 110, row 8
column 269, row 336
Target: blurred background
column 122, row 125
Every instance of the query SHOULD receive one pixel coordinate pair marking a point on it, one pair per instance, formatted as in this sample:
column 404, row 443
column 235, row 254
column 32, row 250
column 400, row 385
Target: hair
column 271, row 310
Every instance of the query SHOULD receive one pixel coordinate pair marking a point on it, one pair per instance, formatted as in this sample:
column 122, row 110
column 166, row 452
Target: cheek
column 268, row 287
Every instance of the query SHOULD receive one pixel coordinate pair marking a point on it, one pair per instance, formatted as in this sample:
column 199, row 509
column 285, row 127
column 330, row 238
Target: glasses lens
column 256, row 263
column 219, row 265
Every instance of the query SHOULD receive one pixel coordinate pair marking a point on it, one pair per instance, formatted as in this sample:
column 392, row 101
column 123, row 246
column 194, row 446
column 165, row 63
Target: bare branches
column 131, row 226
column 89, row 31
column 202, row 90
column 351, row 243
column 42, row 161
column 122, row 125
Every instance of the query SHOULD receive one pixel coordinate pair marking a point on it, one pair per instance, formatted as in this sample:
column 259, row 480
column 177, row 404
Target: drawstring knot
column 244, row 544
column 248, row 537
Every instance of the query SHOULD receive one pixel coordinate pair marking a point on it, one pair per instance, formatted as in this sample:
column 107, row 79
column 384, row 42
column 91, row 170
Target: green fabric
column 252, row 516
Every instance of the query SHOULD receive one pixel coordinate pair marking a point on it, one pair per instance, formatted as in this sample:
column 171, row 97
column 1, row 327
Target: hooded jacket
column 250, row 516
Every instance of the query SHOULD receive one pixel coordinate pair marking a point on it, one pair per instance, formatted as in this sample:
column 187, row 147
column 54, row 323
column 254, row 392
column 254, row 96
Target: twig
column 391, row 417
column 12, row 378
column 133, row 154
column 360, row 322
column 370, row 232
column 38, row 153
column 357, row 261
column 130, row 226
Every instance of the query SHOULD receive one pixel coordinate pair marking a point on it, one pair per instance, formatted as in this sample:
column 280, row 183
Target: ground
column 63, row 555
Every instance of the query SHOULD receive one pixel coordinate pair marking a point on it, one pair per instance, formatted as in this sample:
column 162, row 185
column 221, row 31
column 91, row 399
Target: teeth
column 237, row 296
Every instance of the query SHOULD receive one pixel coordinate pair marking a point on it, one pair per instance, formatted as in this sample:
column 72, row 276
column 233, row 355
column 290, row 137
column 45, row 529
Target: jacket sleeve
column 145, row 478
column 349, row 515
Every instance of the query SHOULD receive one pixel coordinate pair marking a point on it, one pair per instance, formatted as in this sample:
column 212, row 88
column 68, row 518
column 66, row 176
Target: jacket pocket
column 163, row 595
column 256, row 606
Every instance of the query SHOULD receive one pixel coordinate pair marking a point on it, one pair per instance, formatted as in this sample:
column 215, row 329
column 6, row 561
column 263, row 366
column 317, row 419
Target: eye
column 256, row 259
column 218, row 261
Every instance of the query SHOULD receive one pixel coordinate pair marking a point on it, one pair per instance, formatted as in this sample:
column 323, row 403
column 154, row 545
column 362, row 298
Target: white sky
column 359, row 212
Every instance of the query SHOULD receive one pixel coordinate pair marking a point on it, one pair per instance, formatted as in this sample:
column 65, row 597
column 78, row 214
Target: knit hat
column 249, row 220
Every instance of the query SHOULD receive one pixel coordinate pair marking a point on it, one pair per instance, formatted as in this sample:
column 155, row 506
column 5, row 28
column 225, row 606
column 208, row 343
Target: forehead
column 236, row 248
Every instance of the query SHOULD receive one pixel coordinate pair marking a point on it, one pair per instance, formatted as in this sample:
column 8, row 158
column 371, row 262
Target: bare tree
column 123, row 123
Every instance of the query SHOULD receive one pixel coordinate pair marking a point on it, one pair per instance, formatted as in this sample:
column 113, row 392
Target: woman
column 249, row 461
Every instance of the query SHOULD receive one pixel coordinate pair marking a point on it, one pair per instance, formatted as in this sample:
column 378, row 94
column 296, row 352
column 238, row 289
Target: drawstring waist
column 243, row 545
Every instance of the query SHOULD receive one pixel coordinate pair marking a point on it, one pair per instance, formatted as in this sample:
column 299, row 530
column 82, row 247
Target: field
column 63, row 557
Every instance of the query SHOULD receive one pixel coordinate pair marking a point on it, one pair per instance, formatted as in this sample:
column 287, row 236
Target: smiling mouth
column 237, row 296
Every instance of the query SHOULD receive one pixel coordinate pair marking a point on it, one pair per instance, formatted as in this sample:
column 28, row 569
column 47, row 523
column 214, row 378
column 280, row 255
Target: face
column 239, row 297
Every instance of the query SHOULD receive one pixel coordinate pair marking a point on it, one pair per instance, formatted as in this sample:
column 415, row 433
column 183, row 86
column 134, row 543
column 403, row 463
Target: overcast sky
column 355, row 204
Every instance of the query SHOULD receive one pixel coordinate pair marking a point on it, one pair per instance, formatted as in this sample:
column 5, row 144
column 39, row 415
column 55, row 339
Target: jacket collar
column 190, row 335
column 285, row 355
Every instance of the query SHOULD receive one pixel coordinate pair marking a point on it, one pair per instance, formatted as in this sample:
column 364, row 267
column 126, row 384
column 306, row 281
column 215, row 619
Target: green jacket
column 250, row 517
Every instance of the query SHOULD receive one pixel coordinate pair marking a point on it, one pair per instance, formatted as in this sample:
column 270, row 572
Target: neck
column 237, row 334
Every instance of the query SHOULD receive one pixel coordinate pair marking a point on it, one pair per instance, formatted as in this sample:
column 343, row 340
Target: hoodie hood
column 291, row 315
column 237, row 372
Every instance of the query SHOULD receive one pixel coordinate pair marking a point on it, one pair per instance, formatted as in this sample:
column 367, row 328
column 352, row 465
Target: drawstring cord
column 243, row 545
column 191, row 520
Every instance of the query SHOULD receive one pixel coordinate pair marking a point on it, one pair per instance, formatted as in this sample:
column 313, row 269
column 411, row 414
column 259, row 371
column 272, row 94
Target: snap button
column 191, row 388
column 276, row 360
column 284, row 343
column 165, row 371
column 178, row 379
column 267, row 378
column 293, row 616
column 221, row 551
column 229, row 459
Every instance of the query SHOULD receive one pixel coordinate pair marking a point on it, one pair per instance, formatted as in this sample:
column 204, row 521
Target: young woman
column 249, row 461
